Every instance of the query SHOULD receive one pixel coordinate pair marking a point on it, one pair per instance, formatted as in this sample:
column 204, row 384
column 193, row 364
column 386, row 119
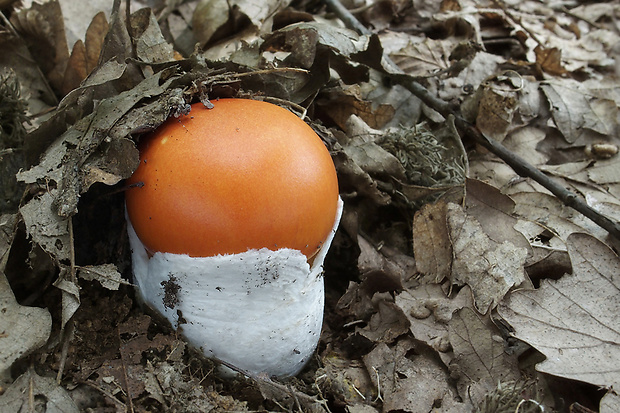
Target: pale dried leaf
column 524, row 142
column 574, row 109
column 490, row 268
column 70, row 294
column 107, row 275
column 150, row 44
column 429, row 311
column 494, row 212
column 212, row 19
column 45, row 227
column 412, row 382
column 22, row 329
column 574, row 321
column 610, row 403
column 479, row 357
column 549, row 212
column 31, row 392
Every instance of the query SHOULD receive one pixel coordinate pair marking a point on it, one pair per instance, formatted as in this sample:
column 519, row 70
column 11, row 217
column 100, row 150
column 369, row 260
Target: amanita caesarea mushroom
column 230, row 215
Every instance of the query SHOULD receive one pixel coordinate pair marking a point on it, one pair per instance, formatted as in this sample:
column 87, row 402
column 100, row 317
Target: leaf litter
column 454, row 283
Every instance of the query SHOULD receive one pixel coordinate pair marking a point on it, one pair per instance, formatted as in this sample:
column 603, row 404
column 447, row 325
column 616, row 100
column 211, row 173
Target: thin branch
column 518, row 164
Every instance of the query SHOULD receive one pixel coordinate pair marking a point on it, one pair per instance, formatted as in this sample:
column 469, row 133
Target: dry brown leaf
column 346, row 379
column 43, row 28
column 550, row 59
column 496, row 110
column 431, row 244
column 387, row 324
column 430, row 311
column 480, row 360
column 574, row 321
column 575, row 108
column 409, row 379
column 85, row 55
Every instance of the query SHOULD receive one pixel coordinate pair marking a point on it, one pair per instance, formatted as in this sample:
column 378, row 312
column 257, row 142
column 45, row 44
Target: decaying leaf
column 214, row 20
column 107, row 275
column 46, row 228
column 31, row 392
column 42, row 27
column 22, row 330
column 574, row 321
column 408, row 379
column 489, row 267
column 431, row 245
column 480, row 360
column 430, row 311
column 496, row 110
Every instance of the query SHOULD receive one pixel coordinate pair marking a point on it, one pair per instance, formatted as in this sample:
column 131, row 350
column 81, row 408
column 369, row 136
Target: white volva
column 260, row 310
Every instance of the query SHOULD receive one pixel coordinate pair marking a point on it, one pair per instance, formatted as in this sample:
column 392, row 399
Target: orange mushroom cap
column 243, row 175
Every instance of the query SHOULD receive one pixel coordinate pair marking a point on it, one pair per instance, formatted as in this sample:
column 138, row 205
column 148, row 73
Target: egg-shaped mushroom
column 230, row 215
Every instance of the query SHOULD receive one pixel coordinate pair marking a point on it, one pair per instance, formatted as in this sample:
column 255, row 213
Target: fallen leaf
column 610, row 403
column 550, row 59
column 480, row 360
column 430, row 311
column 408, row 379
column 574, row 321
column 490, row 268
column 107, row 275
column 387, row 324
column 213, row 20
column 496, row 110
column 22, row 331
column 495, row 213
column 31, row 392
column 42, row 27
column 46, row 228
column 431, row 244
column 574, row 109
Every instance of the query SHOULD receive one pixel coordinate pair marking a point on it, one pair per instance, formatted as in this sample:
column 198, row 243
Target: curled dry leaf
column 496, row 109
column 213, row 20
column 42, row 26
column 107, row 275
column 574, row 321
column 85, row 54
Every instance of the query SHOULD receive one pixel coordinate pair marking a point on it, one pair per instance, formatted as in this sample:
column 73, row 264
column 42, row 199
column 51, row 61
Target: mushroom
column 230, row 215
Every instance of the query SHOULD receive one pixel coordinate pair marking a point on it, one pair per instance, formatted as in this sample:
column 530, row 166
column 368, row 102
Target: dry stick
column 518, row 164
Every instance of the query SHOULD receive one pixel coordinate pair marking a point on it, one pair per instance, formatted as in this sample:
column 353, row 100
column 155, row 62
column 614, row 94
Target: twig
column 346, row 16
column 518, row 164
column 125, row 375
